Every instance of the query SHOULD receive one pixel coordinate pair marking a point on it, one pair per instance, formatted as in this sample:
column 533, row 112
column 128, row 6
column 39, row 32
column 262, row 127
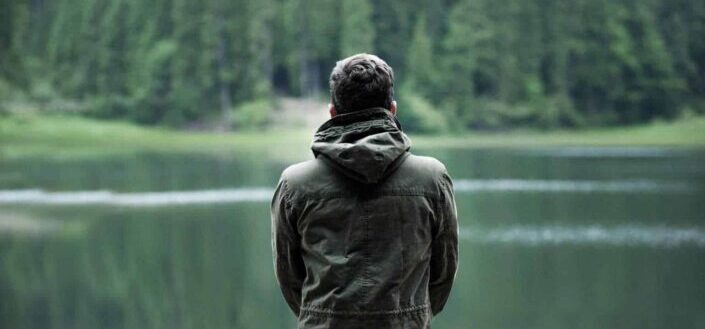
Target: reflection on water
column 181, row 267
column 554, row 238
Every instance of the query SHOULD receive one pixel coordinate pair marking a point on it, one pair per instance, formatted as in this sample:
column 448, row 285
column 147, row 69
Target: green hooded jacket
column 366, row 234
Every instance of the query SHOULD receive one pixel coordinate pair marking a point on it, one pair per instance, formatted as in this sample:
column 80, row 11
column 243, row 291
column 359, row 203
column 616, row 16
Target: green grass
column 71, row 135
column 682, row 133
column 58, row 135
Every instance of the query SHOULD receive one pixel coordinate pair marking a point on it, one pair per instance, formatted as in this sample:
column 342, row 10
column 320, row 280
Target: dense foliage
column 462, row 63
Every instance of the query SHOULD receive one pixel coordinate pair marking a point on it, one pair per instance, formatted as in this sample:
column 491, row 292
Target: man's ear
column 393, row 107
column 332, row 111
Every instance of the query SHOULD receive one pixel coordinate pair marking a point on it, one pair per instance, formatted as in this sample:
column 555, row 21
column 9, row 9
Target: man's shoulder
column 422, row 173
column 423, row 166
column 425, row 163
column 308, row 175
column 303, row 171
column 313, row 178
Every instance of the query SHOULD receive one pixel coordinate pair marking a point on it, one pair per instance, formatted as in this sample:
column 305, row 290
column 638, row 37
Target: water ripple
column 650, row 236
column 607, row 152
column 135, row 199
column 264, row 194
column 582, row 186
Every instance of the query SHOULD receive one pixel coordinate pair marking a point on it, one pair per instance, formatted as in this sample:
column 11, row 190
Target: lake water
column 549, row 238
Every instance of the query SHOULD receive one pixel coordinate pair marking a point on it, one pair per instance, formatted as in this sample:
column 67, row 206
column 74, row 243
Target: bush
column 542, row 112
column 5, row 93
column 556, row 111
column 418, row 115
column 251, row 115
column 112, row 106
column 491, row 114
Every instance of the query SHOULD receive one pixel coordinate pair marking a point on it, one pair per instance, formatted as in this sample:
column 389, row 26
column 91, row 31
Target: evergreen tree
column 308, row 42
column 420, row 68
column 357, row 32
column 459, row 62
column 394, row 31
column 14, row 19
column 488, row 64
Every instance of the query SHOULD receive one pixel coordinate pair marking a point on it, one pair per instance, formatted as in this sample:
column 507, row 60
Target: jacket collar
column 373, row 113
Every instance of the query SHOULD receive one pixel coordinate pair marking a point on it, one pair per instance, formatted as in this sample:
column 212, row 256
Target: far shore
column 52, row 135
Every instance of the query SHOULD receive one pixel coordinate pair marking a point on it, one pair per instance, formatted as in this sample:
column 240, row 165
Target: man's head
column 361, row 81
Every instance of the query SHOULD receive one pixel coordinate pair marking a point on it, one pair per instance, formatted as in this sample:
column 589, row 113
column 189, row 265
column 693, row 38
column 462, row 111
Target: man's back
column 365, row 235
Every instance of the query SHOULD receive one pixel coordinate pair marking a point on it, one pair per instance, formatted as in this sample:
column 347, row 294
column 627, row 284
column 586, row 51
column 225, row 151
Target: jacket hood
column 365, row 145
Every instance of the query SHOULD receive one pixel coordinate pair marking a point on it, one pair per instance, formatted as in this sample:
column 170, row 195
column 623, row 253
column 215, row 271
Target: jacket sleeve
column 286, row 249
column 444, row 248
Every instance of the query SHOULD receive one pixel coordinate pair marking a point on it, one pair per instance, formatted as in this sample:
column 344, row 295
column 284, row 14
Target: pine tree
column 420, row 68
column 182, row 61
column 459, row 62
column 14, row 18
column 357, row 31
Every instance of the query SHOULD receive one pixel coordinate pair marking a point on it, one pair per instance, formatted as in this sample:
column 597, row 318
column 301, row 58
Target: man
column 365, row 235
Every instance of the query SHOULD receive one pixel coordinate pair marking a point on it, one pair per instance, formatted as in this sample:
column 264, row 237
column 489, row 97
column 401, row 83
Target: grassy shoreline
column 58, row 134
column 685, row 133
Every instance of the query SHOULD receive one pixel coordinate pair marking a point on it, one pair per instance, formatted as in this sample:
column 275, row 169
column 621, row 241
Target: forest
column 459, row 64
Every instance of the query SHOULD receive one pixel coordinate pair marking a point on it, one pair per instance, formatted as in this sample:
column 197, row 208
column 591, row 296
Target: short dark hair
column 361, row 81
